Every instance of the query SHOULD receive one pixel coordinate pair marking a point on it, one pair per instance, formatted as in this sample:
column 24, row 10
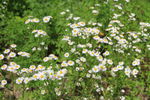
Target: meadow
column 74, row 50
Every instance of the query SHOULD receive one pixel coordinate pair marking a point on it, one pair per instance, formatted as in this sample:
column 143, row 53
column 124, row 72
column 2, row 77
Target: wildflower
column 12, row 54
column 71, row 63
column 43, row 91
column 66, row 54
column 3, row 67
column 13, row 45
column 45, row 59
column 3, row 82
column 95, row 69
column 95, row 11
column 26, row 80
column 109, row 61
column 127, row 71
column 136, row 62
column 46, row 19
column 100, row 58
column 6, row 51
column 102, row 67
column 1, row 56
column 134, row 72
column 32, row 67
column 83, row 59
column 120, row 67
column 106, row 53
column 19, row 80
column 81, row 23
column 36, row 20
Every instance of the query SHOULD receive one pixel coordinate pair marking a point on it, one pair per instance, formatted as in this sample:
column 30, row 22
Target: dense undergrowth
column 75, row 50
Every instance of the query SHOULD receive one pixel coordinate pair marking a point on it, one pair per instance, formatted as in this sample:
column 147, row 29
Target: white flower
column 3, row 82
column 6, row 51
column 71, row 63
column 106, row 53
column 45, row 59
column 81, row 23
column 136, row 62
column 120, row 67
column 1, row 56
column 19, row 80
column 26, row 80
column 121, row 63
column 62, row 13
column 109, row 61
column 36, row 20
column 32, row 67
column 95, row 11
column 100, row 58
column 76, row 18
column 135, row 72
column 102, row 67
column 95, row 69
column 12, row 54
column 46, row 19
column 83, row 59
column 43, row 91
column 127, row 71
column 64, row 64
column 4, row 67
column 66, row 54
column 13, row 45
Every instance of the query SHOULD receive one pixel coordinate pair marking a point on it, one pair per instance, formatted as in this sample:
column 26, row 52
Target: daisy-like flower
column 109, row 61
column 83, row 59
column 43, row 92
column 102, row 67
column 81, row 23
column 27, row 21
column 35, row 77
column 71, row 63
column 95, row 11
column 41, row 76
column 134, row 72
column 46, row 19
column 96, row 37
column 61, row 72
column 32, row 67
column 36, row 20
column 121, row 63
column 95, row 69
column 17, row 66
column 120, row 67
column 100, row 58
column 6, row 51
column 3, row 82
column 26, row 80
column 106, row 53
column 1, row 56
column 84, row 51
column 12, row 63
column 13, row 45
column 127, row 71
column 66, row 54
column 64, row 64
column 4, row 67
column 12, row 54
column 19, row 80
column 136, row 62
column 115, row 69
column 45, row 59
